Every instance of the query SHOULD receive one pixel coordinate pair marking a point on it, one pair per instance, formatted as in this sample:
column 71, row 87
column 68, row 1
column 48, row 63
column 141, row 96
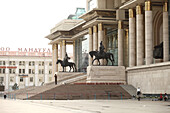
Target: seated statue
column 158, row 51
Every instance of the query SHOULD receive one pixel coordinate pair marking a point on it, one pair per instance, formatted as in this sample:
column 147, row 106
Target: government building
column 132, row 30
column 26, row 67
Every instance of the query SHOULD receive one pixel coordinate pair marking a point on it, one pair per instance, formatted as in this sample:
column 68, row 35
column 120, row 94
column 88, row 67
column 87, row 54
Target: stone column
column 148, row 34
column 95, row 41
column 74, row 50
column 63, row 48
column 132, row 39
column 165, row 33
column 54, row 59
column 60, row 67
column 100, row 38
column 126, row 42
column 139, row 35
column 90, row 45
column 120, row 43
column 105, row 42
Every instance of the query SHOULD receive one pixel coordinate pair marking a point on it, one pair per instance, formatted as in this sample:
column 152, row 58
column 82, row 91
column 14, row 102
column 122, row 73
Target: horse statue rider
column 101, row 54
column 101, row 48
column 65, row 60
column 65, row 63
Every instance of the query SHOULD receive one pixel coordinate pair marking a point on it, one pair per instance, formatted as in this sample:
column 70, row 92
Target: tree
column 15, row 86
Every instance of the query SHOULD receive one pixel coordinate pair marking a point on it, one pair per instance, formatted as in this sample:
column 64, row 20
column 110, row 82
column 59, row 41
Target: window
column 41, row 71
column 22, row 63
column 41, row 63
column 11, row 79
column 12, row 63
column 12, row 71
column 21, row 79
column 31, row 71
column 21, row 71
column 2, row 63
column 31, row 63
column 31, row 79
column 3, row 71
column 50, row 71
column 50, row 64
column 1, row 80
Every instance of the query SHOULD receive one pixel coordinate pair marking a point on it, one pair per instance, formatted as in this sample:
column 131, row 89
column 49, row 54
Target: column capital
column 100, row 27
column 95, row 29
column 64, row 42
column 54, row 46
column 131, row 13
column 120, row 24
column 74, row 42
column 138, row 10
column 165, row 7
column 90, row 31
column 148, row 5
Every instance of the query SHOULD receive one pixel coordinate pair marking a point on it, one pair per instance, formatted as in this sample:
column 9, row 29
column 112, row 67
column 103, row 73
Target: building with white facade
column 26, row 67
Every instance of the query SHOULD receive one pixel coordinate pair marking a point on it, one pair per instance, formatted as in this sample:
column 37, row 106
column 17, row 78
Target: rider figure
column 101, row 48
column 66, row 58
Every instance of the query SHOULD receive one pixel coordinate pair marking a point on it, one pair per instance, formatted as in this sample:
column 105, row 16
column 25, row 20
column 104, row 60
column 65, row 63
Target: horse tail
column 112, row 56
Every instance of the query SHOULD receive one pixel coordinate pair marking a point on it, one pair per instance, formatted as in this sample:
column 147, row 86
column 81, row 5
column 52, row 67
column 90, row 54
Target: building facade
column 130, row 29
column 27, row 67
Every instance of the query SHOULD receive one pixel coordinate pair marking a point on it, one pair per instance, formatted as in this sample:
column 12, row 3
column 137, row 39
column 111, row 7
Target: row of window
column 22, row 63
column 12, row 79
column 22, row 71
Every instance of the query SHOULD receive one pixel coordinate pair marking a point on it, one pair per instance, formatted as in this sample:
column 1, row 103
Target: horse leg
column 106, row 62
column 73, row 68
column 111, row 60
column 70, row 69
column 63, row 68
column 93, row 61
column 98, row 61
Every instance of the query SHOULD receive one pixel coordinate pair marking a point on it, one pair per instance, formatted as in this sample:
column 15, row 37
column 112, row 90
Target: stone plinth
column 152, row 79
column 69, row 76
column 106, row 74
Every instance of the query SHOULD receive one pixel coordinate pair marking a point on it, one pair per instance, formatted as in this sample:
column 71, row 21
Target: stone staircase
column 130, row 89
column 34, row 90
column 83, row 91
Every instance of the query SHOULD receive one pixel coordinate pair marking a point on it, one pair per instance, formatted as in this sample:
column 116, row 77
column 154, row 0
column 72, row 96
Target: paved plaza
column 83, row 106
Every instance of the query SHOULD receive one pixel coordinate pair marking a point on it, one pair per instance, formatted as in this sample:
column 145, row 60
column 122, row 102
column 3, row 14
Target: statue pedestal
column 106, row 74
column 70, row 77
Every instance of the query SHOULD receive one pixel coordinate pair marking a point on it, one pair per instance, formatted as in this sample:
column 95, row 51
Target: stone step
column 76, row 91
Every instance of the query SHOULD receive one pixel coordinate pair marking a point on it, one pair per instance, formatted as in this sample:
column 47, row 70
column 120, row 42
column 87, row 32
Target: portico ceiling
column 133, row 3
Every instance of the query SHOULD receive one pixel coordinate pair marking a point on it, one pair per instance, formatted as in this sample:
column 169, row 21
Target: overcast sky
column 25, row 23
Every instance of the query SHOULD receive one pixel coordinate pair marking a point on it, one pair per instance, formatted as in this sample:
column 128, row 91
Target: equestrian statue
column 65, row 63
column 101, row 55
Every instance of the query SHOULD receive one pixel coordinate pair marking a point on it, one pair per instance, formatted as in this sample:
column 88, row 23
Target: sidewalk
column 83, row 106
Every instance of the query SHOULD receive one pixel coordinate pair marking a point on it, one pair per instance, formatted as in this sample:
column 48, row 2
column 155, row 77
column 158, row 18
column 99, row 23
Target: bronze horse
column 70, row 64
column 105, row 55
